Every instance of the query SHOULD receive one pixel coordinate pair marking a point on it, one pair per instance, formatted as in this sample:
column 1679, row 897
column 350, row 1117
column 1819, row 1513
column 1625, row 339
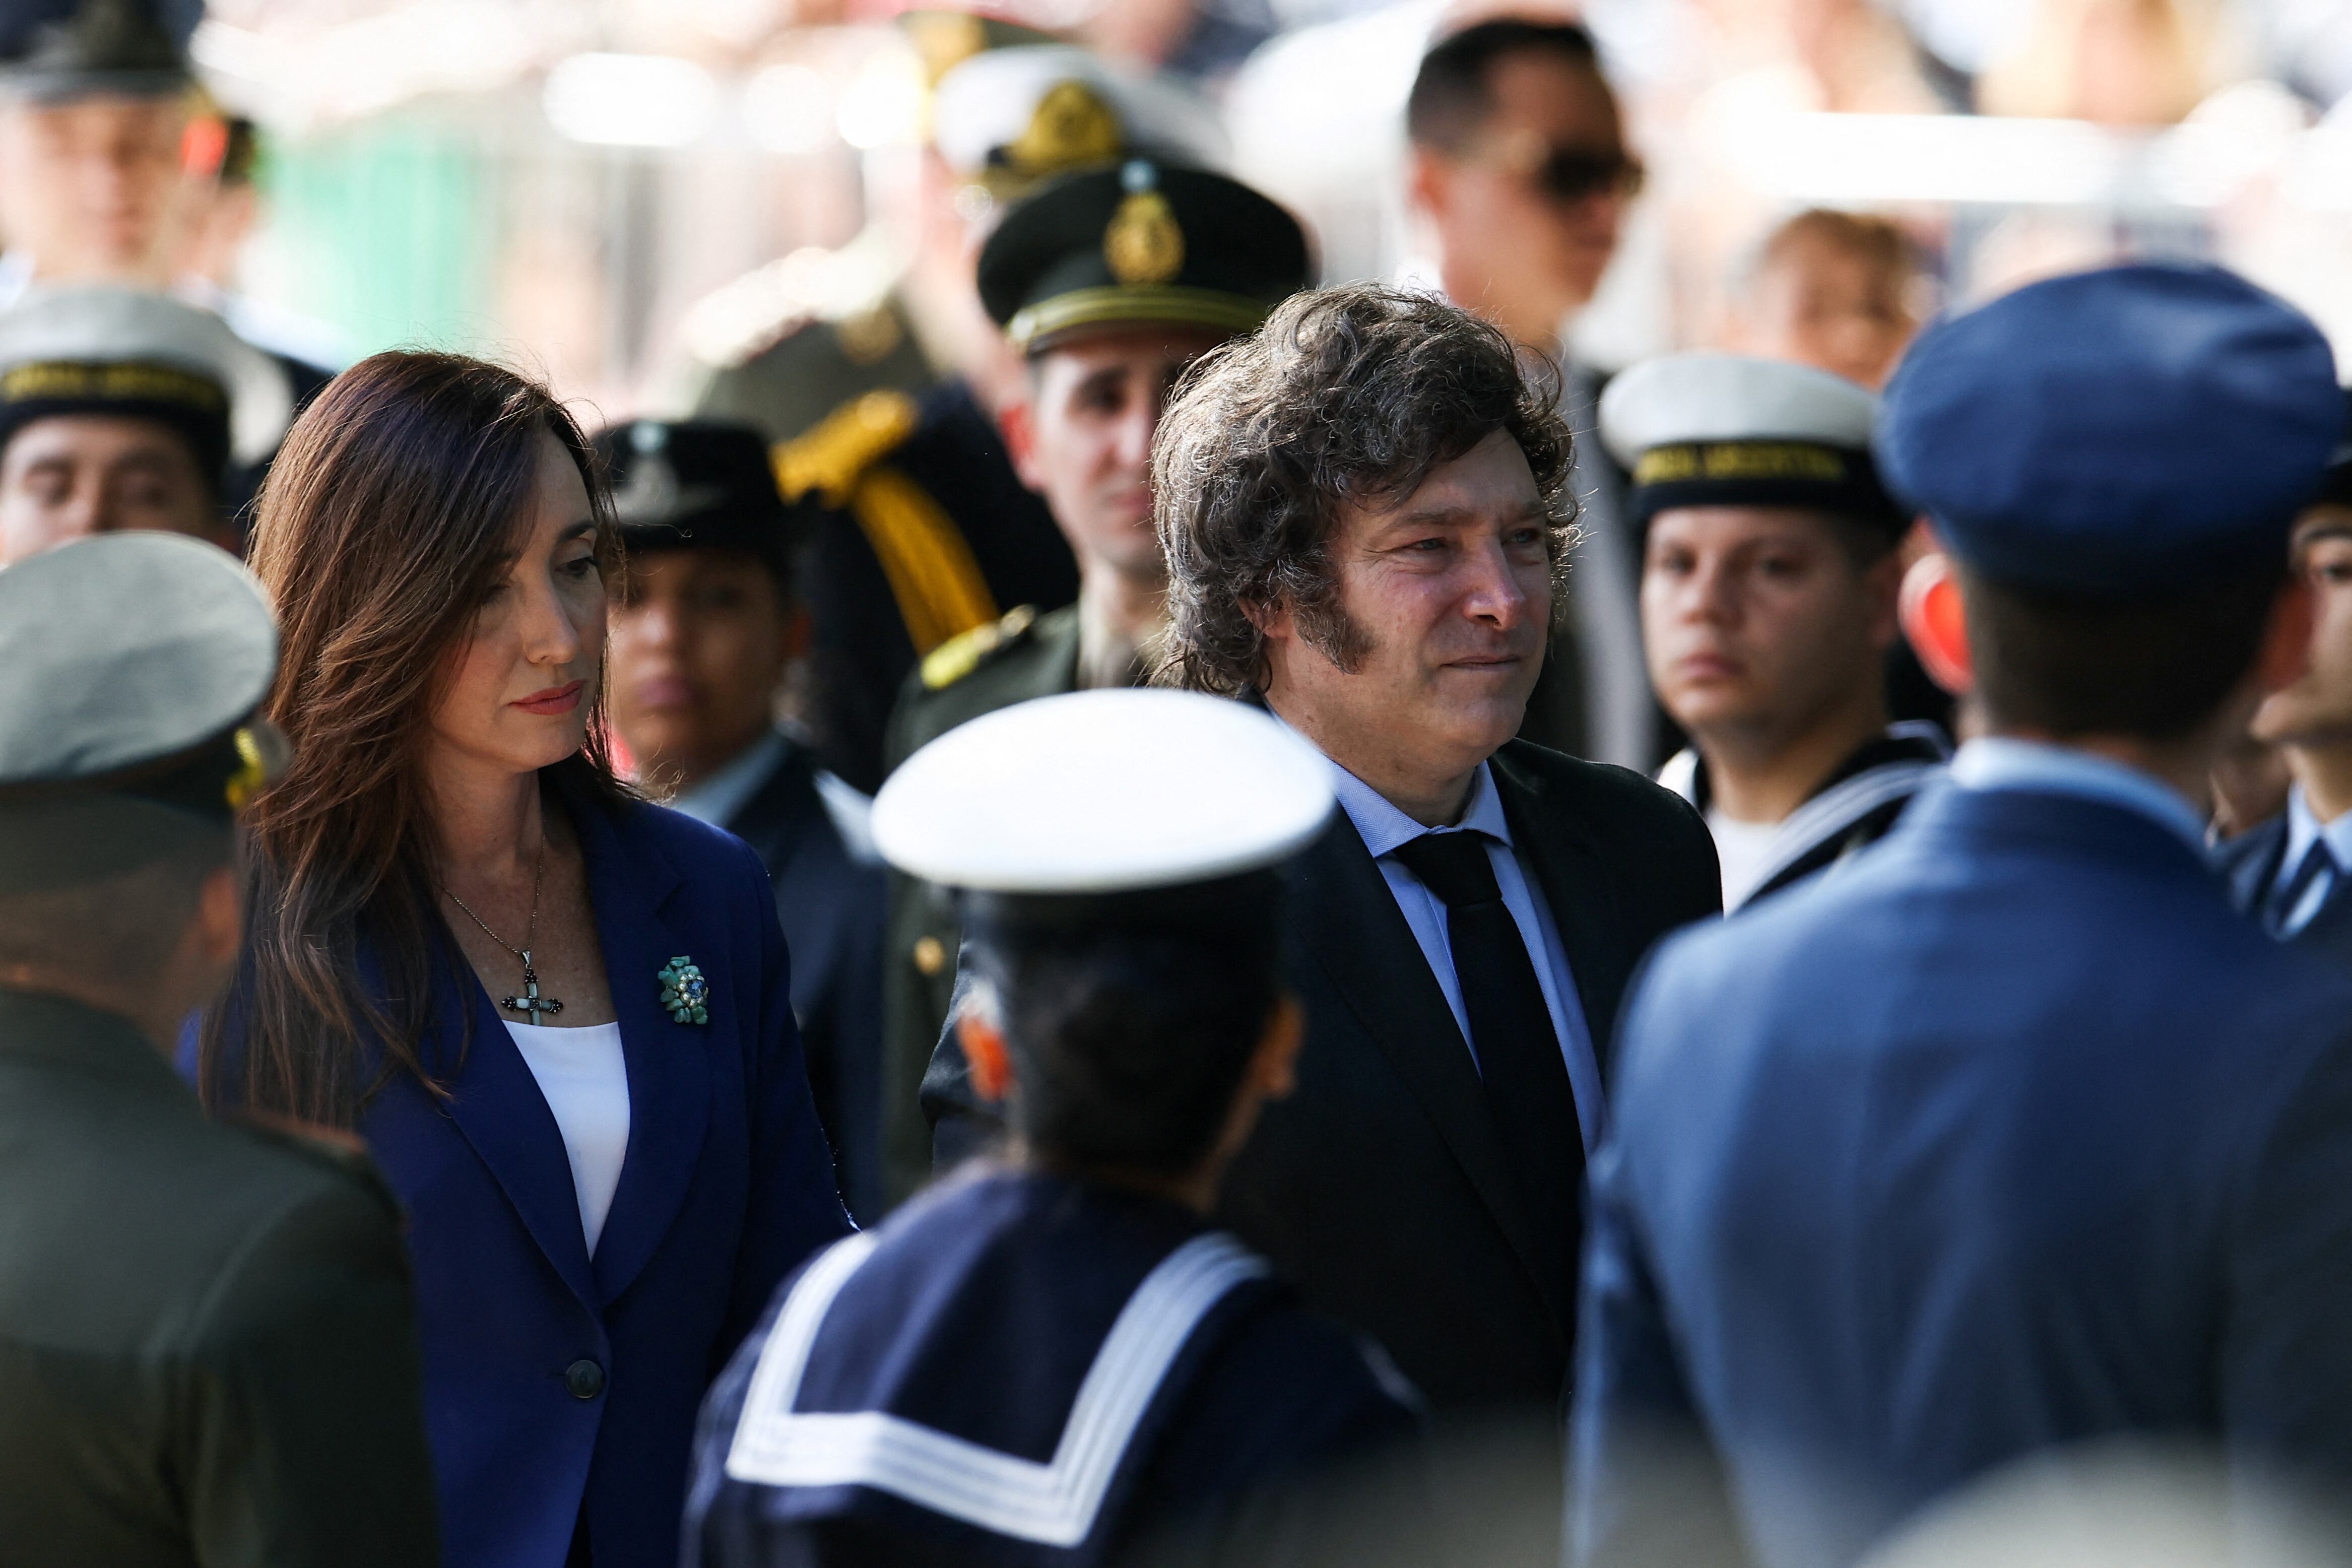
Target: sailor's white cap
column 1104, row 792
column 1001, row 111
column 1704, row 396
column 98, row 324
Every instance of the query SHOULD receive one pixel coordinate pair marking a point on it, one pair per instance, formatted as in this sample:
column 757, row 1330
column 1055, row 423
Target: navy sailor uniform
column 1020, row 1368
column 1853, row 808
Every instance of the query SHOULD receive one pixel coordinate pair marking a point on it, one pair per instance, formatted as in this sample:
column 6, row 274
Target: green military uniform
column 208, row 1345
column 1024, row 655
column 1140, row 244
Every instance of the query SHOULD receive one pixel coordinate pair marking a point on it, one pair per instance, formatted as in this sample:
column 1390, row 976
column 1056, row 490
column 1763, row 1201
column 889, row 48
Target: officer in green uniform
column 920, row 529
column 1110, row 284
column 208, row 1350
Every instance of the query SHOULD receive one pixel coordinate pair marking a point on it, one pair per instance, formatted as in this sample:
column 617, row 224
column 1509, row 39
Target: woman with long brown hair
column 558, row 1015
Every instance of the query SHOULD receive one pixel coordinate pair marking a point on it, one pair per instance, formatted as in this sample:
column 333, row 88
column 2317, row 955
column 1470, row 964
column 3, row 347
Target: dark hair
column 2154, row 669
column 126, row 926
column 1131, row 1019
column 379, row 528
column 1346, row 397
column 1453, row 93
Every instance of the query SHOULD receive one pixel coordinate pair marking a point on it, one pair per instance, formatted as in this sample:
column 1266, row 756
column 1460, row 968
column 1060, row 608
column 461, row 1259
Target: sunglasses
column 1571, row 173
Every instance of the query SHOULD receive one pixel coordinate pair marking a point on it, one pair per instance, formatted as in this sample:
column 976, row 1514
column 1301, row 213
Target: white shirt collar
column 721, row 792
column 2303, row 826
column 1383, row 827
column 2005, row 761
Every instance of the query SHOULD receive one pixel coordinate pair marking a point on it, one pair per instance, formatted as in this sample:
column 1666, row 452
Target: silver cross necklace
column 531, row 1003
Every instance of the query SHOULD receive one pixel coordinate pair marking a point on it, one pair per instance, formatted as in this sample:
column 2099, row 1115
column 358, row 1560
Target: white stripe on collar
column 1056, row 1504
column 1836, row 809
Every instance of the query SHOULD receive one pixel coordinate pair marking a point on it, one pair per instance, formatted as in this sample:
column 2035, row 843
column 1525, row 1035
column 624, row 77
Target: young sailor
column 1053, row 1358
column 1769, row 582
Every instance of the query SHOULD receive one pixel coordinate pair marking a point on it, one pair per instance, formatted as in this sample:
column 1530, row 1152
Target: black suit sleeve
column 304, row 1421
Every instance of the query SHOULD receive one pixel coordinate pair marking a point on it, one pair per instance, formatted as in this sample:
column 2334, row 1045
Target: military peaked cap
column 133, row 667
column 1717, row 429
column 694, row 484
column 70, row 48
column 1143, row 243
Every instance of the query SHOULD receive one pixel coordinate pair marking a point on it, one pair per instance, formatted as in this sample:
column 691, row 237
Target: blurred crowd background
column 634, row 195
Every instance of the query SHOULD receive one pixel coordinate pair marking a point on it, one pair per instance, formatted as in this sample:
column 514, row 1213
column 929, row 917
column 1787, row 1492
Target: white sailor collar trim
column 1056, row 1504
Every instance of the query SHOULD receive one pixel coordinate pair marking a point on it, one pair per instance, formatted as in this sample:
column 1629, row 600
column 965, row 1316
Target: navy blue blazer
column 561, row 1391
column 2013, row 1135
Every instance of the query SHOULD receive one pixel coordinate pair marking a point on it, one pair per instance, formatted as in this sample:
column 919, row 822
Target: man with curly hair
column 1363, row 509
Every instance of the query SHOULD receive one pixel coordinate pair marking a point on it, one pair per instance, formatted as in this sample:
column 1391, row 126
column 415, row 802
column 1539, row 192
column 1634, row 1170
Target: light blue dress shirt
column 2003, row 761
column 1383, row 828
column 2304, row 829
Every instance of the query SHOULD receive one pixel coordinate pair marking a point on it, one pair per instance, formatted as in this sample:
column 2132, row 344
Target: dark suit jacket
column 208, row 1349
column 2249, row 864
column 2014, row 1134
column 832, row 907
column 1379, row 1188
column 561, row 1387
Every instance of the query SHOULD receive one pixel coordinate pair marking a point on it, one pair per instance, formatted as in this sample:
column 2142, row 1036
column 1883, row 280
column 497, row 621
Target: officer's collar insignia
column 1071, row 128
column 684, row 995
column 1143, row 244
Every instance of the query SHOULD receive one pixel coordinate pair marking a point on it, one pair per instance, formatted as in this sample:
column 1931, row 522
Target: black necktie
column 1519, row 1060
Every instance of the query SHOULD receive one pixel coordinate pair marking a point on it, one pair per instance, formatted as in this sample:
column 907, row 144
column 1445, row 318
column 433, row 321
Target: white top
column 585, row 1081
column 1385, row 829
column 1744, row 850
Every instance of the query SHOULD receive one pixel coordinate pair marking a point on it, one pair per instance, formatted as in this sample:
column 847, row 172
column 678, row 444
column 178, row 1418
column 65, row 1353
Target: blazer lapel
column 668, row 1063
column 497, row 1105
column 1575, row 885
column 1348, row 919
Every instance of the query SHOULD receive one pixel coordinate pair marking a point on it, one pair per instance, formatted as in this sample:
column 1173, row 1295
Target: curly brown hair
column 1346, row 397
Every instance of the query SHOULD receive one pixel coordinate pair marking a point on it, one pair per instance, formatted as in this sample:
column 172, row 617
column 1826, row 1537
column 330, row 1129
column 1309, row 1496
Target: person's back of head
column 1117, row 854
column 2115, row 459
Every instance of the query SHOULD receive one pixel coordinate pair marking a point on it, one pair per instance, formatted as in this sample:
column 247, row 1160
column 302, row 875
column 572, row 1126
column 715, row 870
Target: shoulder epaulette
column 829, row 460
column 960, row 656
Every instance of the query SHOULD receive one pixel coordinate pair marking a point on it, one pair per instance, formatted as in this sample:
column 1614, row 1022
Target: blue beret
column 2116, row 434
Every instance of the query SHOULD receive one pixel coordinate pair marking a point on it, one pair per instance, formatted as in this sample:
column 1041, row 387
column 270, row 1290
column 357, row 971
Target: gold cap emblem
column 1071, row 127
column 1143, row 243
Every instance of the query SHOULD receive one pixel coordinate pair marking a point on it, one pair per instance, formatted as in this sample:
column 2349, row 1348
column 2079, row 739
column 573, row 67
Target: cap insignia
column 1070, row 128
column 1143, row 243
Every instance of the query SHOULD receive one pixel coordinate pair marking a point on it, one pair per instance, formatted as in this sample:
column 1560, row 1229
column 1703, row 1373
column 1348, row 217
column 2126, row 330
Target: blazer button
column 585, row 1378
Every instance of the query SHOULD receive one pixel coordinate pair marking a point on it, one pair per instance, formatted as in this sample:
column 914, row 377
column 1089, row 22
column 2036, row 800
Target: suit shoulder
column 1606, row 791
column 311, row 1157
column 824, row 464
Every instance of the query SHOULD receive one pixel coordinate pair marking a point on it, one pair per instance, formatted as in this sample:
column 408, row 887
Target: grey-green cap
column 131, row 668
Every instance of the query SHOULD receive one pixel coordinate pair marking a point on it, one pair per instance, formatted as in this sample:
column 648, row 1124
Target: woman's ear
column 984, row 1054
column 1935, row 622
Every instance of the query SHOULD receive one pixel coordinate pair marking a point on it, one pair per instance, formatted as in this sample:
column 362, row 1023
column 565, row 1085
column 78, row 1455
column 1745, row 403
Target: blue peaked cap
column 2117, row 434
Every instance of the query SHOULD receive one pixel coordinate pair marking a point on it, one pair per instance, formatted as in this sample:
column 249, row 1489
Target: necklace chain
column 531, row 1003
column 530, row 928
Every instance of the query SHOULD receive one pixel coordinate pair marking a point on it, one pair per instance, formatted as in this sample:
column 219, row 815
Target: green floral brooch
column 685, row 993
